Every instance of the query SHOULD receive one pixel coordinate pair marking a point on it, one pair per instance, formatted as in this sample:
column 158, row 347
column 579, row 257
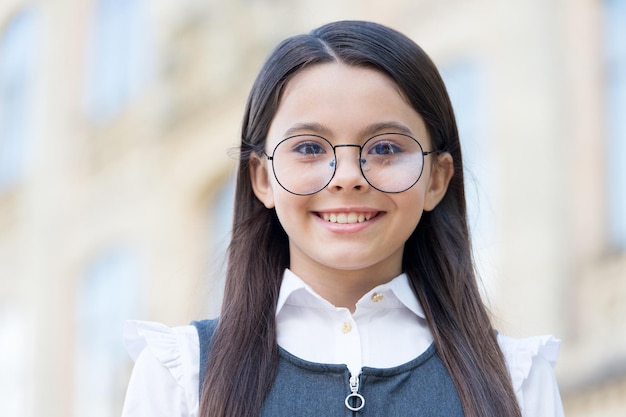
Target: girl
column 350, row 287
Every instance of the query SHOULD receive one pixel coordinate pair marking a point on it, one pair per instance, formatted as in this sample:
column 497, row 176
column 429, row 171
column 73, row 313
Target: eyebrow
column 375, row 128
column 368, row 131
column 313, row 127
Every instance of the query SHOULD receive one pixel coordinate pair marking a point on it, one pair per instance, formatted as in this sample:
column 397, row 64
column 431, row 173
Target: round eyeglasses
column 306, row 164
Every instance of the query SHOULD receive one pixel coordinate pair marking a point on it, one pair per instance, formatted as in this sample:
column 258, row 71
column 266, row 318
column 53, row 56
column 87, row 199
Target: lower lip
column 348, row 227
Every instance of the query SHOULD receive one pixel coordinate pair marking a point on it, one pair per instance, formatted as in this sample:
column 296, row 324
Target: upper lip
column 349, row 210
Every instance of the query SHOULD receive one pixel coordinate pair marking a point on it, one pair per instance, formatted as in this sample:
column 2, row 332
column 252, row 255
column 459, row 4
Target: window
column 615, row 49
column 17, row 63
column 108, row 294
column 465, row 81
column 119, row 56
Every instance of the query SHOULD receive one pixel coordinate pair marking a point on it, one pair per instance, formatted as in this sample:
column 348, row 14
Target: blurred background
column 116, row 184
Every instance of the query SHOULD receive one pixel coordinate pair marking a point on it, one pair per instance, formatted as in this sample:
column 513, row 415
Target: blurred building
column 116, row 120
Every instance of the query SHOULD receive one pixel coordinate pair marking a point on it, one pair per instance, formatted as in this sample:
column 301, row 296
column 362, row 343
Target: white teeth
column 346, row 218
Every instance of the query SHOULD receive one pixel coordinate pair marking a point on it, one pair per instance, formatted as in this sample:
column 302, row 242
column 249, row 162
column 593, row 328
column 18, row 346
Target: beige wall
column 148, row 178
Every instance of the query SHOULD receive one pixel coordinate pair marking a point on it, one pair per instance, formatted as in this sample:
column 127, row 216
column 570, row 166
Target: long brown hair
column 437, row 256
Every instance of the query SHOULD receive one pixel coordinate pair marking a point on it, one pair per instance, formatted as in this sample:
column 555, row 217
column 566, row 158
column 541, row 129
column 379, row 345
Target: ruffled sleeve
column 164, row 381
column 531, row 362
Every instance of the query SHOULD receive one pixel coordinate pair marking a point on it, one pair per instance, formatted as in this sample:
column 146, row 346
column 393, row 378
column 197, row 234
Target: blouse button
column 376, row 297
column 347, row 326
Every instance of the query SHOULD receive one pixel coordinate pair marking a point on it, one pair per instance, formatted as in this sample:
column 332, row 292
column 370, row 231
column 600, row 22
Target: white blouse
column 165, row 383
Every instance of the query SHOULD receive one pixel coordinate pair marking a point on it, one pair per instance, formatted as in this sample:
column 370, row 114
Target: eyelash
column 389, row 148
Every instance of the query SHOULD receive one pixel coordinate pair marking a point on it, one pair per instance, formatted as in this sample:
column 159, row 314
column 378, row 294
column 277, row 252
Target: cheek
column 411, row 207
column 289, row 208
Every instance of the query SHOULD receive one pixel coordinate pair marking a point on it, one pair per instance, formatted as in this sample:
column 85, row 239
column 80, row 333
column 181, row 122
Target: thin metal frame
column 361, row 160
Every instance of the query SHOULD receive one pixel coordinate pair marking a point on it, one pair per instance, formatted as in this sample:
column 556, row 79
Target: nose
column 348, row 175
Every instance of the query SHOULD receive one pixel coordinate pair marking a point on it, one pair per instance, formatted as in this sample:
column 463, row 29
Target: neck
column 343, row 288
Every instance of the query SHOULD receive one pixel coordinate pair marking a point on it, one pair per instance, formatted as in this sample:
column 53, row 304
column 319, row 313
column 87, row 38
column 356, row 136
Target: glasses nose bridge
column 347, row 145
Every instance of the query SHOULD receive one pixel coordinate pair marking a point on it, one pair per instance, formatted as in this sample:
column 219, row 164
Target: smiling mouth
column 346, row 218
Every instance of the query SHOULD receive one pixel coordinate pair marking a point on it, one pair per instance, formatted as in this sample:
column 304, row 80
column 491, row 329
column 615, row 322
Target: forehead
column 344, row 103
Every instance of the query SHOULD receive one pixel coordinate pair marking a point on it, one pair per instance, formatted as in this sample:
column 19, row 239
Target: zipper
column 354, row 401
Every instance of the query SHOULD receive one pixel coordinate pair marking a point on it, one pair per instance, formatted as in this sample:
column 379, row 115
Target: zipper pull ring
column 354, row 388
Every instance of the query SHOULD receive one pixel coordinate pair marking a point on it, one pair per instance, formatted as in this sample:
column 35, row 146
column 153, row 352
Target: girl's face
column 348, row 225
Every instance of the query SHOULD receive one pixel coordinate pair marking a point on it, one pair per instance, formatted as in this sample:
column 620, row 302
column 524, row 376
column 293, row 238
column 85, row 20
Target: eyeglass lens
column 390, row 162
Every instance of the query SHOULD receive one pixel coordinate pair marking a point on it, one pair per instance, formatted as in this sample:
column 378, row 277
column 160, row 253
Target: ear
column 260, row 179
column 441, row 173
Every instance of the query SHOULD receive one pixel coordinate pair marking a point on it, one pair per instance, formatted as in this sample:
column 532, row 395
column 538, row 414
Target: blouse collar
column 396, row 293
